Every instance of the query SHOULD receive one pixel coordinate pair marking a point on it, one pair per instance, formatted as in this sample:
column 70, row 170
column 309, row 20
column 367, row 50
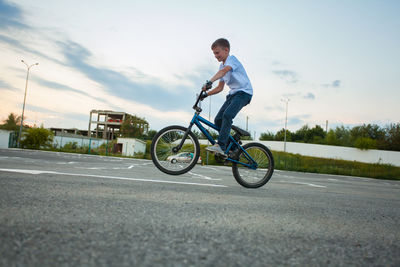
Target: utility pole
column 209, row 119
column 247, row 123
column 286, row 100
column 23, row 107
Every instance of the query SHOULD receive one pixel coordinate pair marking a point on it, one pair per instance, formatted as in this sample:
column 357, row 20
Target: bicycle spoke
column 163, row 154
column 261, row 162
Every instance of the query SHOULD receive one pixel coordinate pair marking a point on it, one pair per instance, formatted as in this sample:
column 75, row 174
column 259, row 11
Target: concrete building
column 107, row 123
column 68, row 132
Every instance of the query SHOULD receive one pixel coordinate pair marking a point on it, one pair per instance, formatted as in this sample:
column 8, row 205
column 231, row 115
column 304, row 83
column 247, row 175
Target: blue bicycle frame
column 198, row 120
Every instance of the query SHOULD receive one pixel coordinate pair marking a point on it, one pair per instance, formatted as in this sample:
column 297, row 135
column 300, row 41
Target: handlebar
column 199, row 98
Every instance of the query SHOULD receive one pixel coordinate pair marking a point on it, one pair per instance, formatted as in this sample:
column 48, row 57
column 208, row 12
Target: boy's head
column 221, row 48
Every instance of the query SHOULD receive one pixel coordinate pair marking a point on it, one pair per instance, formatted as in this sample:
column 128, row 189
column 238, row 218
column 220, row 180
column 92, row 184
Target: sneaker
column 216, row 149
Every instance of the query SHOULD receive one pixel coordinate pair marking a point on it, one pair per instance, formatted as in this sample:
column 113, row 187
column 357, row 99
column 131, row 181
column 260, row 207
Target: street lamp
column 23, row 107
column 287, row 102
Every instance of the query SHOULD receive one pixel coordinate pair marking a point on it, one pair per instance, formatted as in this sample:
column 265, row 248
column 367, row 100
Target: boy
column 232, row 73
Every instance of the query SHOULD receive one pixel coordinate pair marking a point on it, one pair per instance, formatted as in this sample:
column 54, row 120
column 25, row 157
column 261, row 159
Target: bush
column 70, row 146
column 365, row 143
column 268, row 136
column 37, row 138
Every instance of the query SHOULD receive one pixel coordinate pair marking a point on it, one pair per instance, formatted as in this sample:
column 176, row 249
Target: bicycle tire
column 161, row 150
column 246, row 176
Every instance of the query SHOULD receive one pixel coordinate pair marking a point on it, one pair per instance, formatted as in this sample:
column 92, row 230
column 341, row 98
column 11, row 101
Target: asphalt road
column 59, row 209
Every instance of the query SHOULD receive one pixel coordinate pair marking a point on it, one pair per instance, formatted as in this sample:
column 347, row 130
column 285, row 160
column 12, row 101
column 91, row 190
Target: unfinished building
column 108, row 123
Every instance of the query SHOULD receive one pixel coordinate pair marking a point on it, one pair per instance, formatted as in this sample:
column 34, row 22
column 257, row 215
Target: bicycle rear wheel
column 263, row 166
column 174, row 162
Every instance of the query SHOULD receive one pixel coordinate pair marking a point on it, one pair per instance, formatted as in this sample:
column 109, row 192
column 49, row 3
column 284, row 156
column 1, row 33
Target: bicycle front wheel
column 261, row 165
column 166, row 158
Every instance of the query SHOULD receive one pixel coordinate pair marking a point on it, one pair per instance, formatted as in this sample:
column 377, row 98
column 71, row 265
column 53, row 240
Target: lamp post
column 23, row 107
column 287, row 102
column 209, row 118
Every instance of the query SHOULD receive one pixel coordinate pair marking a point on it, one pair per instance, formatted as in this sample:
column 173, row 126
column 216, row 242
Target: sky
column 337, row 61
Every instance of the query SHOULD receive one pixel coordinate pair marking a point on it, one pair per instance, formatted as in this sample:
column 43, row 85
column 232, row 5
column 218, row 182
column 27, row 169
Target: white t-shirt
column 236, row 78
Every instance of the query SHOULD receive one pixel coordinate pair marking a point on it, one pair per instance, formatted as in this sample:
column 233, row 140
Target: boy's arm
column 221, row 73
column 217, row 89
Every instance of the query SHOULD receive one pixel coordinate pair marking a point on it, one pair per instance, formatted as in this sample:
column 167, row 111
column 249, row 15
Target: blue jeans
column 233, row 104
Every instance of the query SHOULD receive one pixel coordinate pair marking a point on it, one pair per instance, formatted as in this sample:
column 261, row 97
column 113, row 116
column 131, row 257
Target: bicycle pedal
column 222, row 156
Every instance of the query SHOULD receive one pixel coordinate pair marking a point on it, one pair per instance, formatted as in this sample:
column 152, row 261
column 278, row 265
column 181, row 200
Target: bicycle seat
column 241, row 132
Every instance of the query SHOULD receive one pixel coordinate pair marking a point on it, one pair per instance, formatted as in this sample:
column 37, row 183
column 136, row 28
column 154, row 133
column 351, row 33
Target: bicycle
column 252, row 163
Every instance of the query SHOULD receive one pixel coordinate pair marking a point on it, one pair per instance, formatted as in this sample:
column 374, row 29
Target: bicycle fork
column 185, row 135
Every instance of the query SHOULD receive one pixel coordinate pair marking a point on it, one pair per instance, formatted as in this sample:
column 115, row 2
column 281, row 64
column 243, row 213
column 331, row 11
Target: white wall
column 130, row 146
column 334, row 152
column 337, row 152
column 60, row 141
column 4, row 138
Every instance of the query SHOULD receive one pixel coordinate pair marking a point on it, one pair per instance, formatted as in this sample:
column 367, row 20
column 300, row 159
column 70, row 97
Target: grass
column 296, row 162
column 283, row 161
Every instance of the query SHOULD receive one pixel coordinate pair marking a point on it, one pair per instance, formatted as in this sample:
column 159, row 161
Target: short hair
column 222, row 42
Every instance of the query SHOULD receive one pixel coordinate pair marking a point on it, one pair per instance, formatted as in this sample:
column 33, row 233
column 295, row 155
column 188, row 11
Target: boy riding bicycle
column 232, row 73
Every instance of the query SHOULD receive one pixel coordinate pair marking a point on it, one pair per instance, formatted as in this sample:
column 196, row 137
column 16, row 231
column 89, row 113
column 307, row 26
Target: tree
column 309, row 135
column 133, row 126
column 12, row 123
column 268, row 136
column 37, row 138
column 300, row 134
column 371, row 131
column 391, row 140
column 342, row 136
column 150, row 134
column 280, row 135
column 315, row 135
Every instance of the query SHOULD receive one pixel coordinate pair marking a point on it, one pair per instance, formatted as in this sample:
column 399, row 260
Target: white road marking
column 287, row 176
column 203, row 176
column 309, row 184
column 107, row 177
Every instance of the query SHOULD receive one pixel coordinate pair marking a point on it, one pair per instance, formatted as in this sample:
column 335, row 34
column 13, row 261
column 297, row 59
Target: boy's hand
column 203, row 95
column 207, row 86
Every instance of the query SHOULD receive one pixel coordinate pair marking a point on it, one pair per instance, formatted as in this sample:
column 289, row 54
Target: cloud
column 287, row 75
column 61, row 87
column 298, row 119
column 153, row 93
column 128, row 88
column 273, row 108
column 6, row 86
column 3, row 84
column 295, row 121
column 309, row 96
column 334, row 84
column 54, row 117
column 19, row 47
column 10, row 16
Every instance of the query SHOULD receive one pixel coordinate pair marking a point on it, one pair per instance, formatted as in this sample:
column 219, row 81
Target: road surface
column 60, row 209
